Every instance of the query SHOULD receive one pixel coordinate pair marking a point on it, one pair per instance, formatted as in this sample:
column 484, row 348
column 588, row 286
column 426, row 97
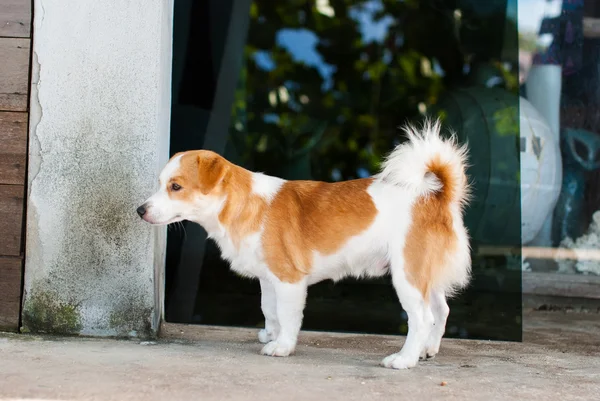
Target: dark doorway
column 316, row 90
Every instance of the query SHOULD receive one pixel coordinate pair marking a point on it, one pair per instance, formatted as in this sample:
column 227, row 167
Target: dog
column 406, row 221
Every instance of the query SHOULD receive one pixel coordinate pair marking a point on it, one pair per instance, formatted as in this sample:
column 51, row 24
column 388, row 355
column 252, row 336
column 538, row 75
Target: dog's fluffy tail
column 433, row 169
column 429, row 165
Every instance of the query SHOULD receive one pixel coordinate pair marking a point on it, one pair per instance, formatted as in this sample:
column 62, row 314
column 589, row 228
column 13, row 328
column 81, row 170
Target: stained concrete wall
column 98, row 137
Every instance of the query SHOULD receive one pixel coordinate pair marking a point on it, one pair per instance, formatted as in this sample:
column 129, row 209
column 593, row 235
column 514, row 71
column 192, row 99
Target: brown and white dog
column 406, row 220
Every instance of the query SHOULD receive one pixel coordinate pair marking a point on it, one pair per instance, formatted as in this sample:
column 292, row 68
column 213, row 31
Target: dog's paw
column 428, row 353
column 431, row 349
column 426, row 356
column 265, row 337
column 397, row 361
column 274, row 348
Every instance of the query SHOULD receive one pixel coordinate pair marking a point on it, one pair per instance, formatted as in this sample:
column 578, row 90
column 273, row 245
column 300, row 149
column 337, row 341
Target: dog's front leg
column 269, row 309
column 290, row 301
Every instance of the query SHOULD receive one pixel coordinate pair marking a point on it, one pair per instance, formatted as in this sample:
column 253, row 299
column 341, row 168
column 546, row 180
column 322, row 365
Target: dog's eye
column 175, row 187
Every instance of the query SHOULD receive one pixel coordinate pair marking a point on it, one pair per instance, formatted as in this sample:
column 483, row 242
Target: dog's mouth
column 174, row 219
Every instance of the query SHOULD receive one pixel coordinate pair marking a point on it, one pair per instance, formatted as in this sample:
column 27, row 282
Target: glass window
column 317, row 90
column 559, row 56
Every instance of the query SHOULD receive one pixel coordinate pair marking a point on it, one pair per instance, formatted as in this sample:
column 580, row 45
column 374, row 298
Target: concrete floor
column 559, row 360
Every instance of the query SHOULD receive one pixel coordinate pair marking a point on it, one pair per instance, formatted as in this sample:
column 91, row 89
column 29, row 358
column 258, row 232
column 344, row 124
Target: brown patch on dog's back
column 308, row 216
column 431, row 238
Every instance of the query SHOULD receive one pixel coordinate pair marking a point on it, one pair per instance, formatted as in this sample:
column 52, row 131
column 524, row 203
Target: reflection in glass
column 317, row 90
column 559, row 55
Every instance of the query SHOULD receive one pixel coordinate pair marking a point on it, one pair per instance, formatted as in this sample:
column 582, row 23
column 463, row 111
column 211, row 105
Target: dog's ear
column 211, row 171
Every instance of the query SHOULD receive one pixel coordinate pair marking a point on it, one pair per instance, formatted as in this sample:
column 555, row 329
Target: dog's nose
column 141, row 210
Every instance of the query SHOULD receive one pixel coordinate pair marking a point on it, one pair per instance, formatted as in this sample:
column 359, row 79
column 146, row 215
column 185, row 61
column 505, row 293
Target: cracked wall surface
column 100, row 101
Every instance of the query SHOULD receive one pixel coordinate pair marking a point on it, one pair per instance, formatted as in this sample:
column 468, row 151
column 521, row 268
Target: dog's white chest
column 245, row 259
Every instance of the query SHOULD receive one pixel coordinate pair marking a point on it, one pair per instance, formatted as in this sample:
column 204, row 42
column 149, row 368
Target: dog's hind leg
column 420, row 319
column 440, row 309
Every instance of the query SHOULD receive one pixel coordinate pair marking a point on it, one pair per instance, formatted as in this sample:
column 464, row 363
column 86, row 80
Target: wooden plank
column 533, row 252
column 11, row 219
column 10, row 293
column 13, row 152
column 561, row 285
column 14, row 74
column 15, row 18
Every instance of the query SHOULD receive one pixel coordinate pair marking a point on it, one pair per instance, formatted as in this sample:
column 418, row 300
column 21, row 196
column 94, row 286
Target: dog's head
column 191, row 187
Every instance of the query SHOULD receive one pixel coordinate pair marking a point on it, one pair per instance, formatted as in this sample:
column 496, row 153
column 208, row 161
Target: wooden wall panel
column 10, row 290
column 11, row 219
column 15, row 18
column 14, row 74
column 15, row 65
column 13, row 152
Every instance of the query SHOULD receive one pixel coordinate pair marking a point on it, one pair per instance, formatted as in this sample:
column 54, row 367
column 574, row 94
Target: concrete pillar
column 99, row 135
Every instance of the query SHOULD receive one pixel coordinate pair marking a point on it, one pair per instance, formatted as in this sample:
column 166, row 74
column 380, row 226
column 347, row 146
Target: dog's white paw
column 274, row 348
column 429, row 352
column 397, row 361
column 264, row 336
column 431, row 348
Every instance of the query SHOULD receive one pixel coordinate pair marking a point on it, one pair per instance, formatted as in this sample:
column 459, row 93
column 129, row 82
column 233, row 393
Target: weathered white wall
column 98, row 137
